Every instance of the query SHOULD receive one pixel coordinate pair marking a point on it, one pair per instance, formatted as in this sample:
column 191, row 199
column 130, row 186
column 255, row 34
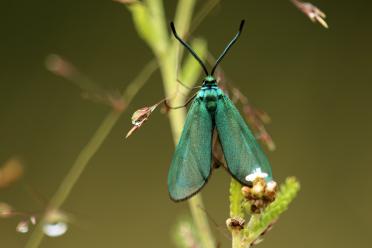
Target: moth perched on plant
column 213, row 110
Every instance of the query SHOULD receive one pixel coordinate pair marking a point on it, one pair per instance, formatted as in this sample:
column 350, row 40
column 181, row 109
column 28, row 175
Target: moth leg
column 182, row 106
column 187, row 87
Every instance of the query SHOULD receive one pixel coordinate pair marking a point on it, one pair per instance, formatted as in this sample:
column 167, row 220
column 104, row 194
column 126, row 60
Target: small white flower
column 271, row 186
column 256, row 174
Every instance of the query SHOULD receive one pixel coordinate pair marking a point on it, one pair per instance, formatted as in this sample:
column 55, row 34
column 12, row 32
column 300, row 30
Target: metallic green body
column 192, row 162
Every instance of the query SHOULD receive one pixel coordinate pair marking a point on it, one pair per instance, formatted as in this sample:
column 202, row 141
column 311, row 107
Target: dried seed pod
column 141, row 116
column 315, row 14
column 235, row 223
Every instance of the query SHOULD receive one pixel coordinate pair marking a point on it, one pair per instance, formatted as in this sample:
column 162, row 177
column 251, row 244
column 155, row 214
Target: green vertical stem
column 159, row 24
column 168, row 64
column 88, row 152
column 236, row 211
column 177, row 119
column 201, row 221
column 236, row 238
column 168, row 68
column 184, row 15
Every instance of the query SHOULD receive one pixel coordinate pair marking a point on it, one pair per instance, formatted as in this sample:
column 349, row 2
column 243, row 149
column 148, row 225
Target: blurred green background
column 315, row 84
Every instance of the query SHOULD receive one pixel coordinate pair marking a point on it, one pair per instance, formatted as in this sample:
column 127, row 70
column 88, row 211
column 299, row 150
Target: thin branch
column 89, row 151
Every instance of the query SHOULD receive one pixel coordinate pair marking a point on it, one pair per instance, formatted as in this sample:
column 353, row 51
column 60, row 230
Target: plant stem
column 158, row 22
column 165, row 51
column 201, row 221
column 236, row 211
column 177, row 118
column 88, row 152
column 236, row 238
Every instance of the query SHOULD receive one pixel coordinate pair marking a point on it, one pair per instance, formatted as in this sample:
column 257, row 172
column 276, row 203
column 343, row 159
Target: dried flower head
column 315, row 14
column 23, row 227
column 141, row 116
column 5, row 210
column 59, row 66
column 261, row 193
column 235, row 223
column 10, row 172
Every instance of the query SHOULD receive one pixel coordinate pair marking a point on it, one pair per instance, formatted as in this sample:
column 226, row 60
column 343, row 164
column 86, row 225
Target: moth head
column 209, row 81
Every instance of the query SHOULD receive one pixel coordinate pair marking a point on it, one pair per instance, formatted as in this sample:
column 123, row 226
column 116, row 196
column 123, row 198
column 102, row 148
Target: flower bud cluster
column 260, row 194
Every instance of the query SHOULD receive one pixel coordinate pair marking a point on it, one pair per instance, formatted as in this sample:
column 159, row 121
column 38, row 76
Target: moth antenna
column 188, row 48
column 229, row 46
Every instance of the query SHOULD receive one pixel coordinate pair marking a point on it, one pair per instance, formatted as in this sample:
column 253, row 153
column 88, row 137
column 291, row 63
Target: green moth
column 210, row 111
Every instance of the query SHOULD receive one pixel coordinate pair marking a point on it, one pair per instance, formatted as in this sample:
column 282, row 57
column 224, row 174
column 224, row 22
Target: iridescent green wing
column 243, row 154
column 191, row 164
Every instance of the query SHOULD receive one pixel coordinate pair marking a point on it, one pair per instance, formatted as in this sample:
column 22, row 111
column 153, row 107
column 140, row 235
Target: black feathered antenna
column 228, row 46
column 189, row 48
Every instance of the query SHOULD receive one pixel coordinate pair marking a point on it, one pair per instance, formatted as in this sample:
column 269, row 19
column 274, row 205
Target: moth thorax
column 210, row 98
column 211, row 102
